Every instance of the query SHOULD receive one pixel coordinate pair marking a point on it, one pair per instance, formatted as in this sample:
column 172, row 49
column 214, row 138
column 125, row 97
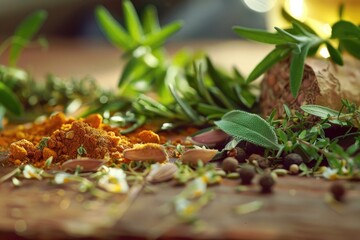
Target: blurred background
column 203, row 19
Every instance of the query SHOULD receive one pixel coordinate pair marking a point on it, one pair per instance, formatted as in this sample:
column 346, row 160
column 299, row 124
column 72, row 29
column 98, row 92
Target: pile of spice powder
column 66, row 138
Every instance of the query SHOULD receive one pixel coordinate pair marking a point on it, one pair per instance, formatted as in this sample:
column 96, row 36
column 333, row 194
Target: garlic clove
column 196, row 154
column 85, row 164
column 210, row 138
column 146, row 152
column 162, row 173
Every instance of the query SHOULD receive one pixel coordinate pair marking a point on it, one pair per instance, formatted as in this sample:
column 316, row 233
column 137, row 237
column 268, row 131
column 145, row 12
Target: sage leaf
column 259, row 35
column 132, row 21
column 24, row 32
column 297, row 69
column 271, row 59
column 249, row 127
column 114, row 32
column 9, row 100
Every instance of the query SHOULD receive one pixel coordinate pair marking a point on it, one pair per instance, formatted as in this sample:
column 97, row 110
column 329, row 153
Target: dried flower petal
column 114, row 181
column 62, row 177
column 32, row 172
column 330, row 174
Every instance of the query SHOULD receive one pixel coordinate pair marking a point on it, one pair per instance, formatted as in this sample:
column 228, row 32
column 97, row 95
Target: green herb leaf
column 271, row 59
column 9, row 100
column 259, row 35
column 24, row 32
column 323, row 112
column 351, row 46
column 150, row 20
column 249, row 127
column 157, row 38
column 297, row 69
column 291, row 19
column 114, row 32
column 132, row 21
column 334, row 54
column 345, row 30
column 184, row 105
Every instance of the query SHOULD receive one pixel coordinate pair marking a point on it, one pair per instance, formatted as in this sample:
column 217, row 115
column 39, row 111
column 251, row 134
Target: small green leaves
column 324, row 113
column 23, row 34
column 272, row 58
column 132, row 21
column 297, row 68
column 259, row 35
column 249, row 127
column 9, row 100
column 114, row 32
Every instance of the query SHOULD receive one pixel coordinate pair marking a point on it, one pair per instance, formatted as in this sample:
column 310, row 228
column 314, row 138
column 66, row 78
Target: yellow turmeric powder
column 65, row 138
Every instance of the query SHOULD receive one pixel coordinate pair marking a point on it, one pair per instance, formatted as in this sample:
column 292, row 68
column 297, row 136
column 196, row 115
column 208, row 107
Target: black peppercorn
column 237, row 153
column 229, row 164
column 266, row 183
column 292, row 158
column 338, row 191
column 247, row 174
column 261, row 161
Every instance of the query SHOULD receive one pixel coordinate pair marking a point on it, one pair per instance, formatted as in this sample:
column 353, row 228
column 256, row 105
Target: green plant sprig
column 298, row 43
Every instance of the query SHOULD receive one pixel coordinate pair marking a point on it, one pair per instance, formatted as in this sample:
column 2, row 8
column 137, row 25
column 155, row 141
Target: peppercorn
column 247, row 174
column 237, row 153
column 266, row 183
column 292, row 158
column 338, row 191
column 229, row 164
column 294, row 169
column 261, row 161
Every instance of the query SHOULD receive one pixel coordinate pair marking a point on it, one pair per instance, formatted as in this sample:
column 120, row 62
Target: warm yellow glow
column 260, row 5
column 324, row 52
column 297, row 9
column 326, row 29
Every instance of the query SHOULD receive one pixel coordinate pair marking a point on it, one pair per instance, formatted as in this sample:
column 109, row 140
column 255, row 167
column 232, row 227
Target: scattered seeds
column 247, row 174
column 196, row 154
column 84, row 164
column 266, row 183
column 233, row 175
column 229, row 164
column 260, row 161
column 292, row 158
column 338, row 191
column 294, row 169
column 238, row 153
column 250, row 207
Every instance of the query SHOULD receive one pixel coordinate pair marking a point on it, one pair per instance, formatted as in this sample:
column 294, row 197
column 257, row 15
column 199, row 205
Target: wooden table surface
column 296, row 210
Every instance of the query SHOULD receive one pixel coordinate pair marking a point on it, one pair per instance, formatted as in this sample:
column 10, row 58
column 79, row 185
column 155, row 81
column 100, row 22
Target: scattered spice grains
column 247, row 174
